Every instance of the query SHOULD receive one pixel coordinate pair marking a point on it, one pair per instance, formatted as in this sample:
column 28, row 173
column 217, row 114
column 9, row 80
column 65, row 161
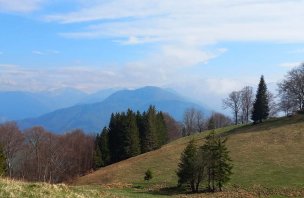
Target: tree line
column 290, row 99
column 38, row 155
column 130, row 134
column 195, row 121
column 246, row 107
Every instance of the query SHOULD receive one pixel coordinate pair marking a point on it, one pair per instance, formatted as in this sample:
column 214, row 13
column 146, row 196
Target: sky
column 204, row 49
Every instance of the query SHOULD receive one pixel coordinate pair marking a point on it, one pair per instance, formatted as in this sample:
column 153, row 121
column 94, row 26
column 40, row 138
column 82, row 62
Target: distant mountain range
column 20, row 105
column 94, row 116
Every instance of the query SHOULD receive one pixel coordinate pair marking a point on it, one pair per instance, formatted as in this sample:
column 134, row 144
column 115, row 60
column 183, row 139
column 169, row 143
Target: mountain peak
column 93, row 117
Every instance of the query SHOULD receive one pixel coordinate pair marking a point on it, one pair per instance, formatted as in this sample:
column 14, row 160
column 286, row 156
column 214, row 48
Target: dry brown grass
column 18, row 189
column 270, row 154
column 268, row 162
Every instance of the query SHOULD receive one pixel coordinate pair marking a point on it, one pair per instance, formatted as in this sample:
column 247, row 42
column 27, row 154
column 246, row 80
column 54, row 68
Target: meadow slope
column 268, row 154
column 268, row 162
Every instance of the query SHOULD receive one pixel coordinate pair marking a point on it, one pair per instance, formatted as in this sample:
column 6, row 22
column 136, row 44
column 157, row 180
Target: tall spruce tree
column 2, row 162
column 162, row 131
column 149, row 136
column 97, row 158
column 224, row 166
column 260, row 110
column 115, row 138
column 190, row 170
column 104, row 146
column 132, row 133
column 209, row 154
column 217, row 161
column 101, row 153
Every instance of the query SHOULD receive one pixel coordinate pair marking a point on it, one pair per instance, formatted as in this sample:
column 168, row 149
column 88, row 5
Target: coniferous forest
column 130, row 134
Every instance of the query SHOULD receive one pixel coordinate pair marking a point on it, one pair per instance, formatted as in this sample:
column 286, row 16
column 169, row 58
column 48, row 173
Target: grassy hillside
column 268, row 162
column 268, row 154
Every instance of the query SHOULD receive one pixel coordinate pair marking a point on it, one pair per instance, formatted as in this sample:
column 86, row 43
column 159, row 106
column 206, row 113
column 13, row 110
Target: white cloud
column 290, row 64
column 22, row 6
column 37, row 52
column 183, row 30
column 193, row 21
column 45, row 52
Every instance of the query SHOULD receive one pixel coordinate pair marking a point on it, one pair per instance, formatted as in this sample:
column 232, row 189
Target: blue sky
column 203, row 49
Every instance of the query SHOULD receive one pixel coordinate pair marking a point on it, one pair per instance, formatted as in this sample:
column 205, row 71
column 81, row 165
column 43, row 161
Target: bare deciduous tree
column 11, row 139
column 233, row 102
column 293, row 87
column 38, row 155
column 273, row 106
column 247, row 98
column 286, row 104
column 174, row 128
column 218, row 120
column 200, row 121
column 35, row 138
column 189, row 121
column 193, row 121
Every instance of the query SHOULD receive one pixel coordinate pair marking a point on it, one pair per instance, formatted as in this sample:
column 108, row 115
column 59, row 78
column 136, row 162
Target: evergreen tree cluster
column 130, row 134
column 209, row 164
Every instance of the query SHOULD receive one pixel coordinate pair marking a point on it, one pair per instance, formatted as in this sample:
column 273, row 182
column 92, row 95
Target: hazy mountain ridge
column 93, row 117
column 16, row 105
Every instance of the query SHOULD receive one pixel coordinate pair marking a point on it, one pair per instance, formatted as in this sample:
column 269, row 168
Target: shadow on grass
column 169, row 191
column 267, row 125
column 172, row 191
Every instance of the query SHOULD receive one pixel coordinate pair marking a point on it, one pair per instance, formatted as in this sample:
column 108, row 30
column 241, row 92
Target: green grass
column 268, row 154
column 17, row 189
column 268, row 161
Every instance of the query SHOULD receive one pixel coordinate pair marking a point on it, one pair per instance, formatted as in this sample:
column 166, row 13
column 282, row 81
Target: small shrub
column 148, row 175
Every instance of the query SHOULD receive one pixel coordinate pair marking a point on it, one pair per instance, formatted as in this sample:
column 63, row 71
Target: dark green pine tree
column 188, row 172
column 2, row 162
column 216, row 162
column 132, row 142
column 97, row 158
column 104, row 147
column 102, row 153
column 149, row 137
column 115, row 138
column 260, row 110
column 140, row 120
column 162, row 131
column 223, row 166
column 210, row 154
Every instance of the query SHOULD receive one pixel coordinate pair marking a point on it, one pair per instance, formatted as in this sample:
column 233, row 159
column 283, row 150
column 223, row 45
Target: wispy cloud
column 291, row 64
column 23, row 6
column 184, row 30
column 194, row 21
column 46, row 52
column 37, row 52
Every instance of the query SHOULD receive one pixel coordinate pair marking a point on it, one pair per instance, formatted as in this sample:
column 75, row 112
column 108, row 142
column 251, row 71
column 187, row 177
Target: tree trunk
column 209, row 179
column 236, row 117
column 220, row 186
column 197, row 184
column 192, row 186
